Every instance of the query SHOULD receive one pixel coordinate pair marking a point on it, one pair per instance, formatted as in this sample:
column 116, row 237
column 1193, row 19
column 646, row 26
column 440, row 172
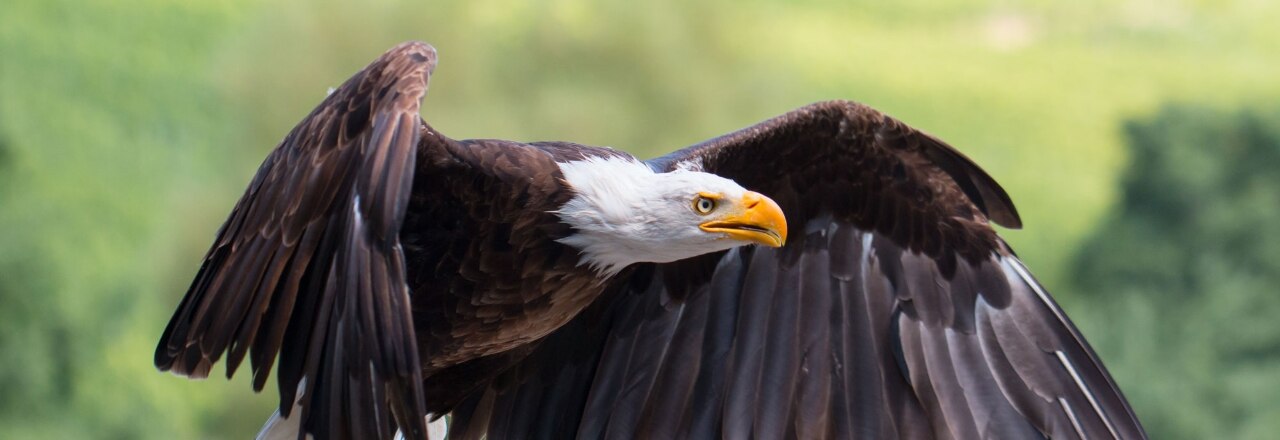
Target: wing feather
column 309, row 265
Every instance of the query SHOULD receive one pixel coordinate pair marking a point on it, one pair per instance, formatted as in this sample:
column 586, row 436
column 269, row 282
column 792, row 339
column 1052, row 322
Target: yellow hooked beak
column 755, row 218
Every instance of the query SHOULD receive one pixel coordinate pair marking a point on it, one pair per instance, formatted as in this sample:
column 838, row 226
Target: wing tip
column 1005, row 214
column 981, row 189
column 190, row 363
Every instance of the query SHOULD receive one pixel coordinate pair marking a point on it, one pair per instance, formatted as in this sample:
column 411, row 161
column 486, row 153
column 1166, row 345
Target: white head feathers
column 623, row 213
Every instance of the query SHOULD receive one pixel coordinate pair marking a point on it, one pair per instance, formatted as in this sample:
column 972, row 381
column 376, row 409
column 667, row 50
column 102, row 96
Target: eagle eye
column 703, row 204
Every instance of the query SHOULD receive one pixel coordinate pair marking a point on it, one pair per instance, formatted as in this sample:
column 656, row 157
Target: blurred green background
column 1138, row 138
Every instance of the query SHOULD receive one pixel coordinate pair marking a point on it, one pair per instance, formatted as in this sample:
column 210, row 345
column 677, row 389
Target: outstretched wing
column 897, row 313
column 309, row 264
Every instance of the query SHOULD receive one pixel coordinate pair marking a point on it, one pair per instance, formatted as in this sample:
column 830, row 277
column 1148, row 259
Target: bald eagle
column 829, row 273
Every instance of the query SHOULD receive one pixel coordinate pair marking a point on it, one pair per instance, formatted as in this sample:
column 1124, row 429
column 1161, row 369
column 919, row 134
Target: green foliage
column 4, row 152
column 108, row 116
column 1184, row 271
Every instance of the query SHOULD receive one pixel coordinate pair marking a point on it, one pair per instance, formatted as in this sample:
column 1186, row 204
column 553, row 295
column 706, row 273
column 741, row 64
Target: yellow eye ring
column 703, row 205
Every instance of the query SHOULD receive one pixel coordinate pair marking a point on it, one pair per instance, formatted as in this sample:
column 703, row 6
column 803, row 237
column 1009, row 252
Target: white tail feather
column 436, row 430
column 280, row 428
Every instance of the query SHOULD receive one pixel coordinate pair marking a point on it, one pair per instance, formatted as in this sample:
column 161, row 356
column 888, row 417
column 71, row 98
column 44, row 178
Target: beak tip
column 760, row 221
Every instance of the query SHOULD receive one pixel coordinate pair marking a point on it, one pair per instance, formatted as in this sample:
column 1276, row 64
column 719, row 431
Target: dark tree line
column 1181, row 282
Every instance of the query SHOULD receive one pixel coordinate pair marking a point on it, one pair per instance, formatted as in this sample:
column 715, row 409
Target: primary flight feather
column 829, row 273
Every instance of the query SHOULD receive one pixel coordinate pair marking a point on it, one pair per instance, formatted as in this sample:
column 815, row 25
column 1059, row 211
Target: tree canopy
column 1181, row 277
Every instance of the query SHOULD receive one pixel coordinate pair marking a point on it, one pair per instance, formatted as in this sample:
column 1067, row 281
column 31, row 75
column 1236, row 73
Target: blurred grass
column 129, row 127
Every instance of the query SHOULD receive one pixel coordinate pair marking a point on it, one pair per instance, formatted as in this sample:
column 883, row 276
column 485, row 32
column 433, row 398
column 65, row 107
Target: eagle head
column 622, row 212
